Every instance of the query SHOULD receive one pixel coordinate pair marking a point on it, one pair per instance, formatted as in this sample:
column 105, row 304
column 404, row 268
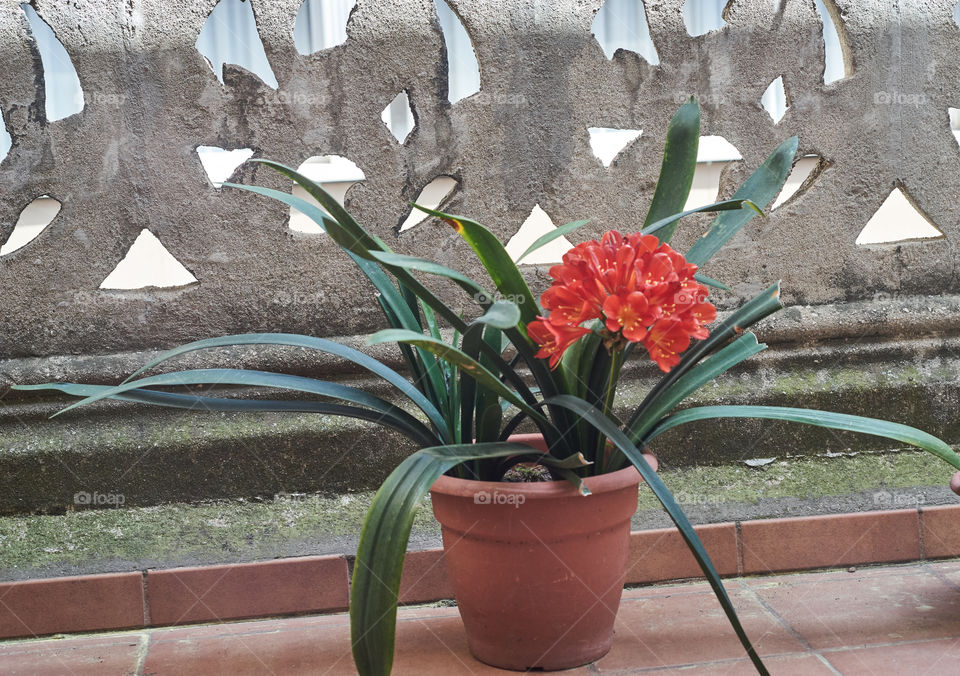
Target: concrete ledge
column 320, row 584
column 850, row 358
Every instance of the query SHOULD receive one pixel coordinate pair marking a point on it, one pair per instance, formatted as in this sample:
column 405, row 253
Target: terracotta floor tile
column 940, row 527
column 283, row 586
column 843, row 574
column 95, row 656
column 291, row 649
column 439, row 646
column 425, row 577
column 429, row 641
column 830, row 541
column 784, row 665
column 661, row 554
column 689, row 628
column 71, row 604
column 838, row 613
column 929, row 658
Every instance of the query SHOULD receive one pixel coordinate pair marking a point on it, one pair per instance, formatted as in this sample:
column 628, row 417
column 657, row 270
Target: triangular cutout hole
column 898, row 220
column 148, row 264
column 537, row 225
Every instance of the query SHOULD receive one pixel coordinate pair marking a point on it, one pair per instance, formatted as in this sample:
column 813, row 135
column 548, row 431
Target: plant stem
column 616, row 362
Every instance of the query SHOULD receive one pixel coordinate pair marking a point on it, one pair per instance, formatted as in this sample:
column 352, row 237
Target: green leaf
column 837, row 421
column 708, row 281
column 349, row 228
column 459, row 359
column 677, row 168
column 742, row 348
column 196, row 403
column 762, row 187
column 495, row 259
column 320, row 344
column 556, row 233
column 610, row 430
column 383, row 545
column 265, row 379
column 502, row 314
column 726, row 205
column 423, row 265
column 764, row 304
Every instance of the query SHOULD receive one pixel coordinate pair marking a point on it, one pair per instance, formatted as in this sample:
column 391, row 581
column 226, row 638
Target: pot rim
column 537, row 490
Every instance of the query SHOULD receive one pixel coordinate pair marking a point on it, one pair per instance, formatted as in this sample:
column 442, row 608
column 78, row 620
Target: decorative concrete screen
column 565, row 119
column 127, row 163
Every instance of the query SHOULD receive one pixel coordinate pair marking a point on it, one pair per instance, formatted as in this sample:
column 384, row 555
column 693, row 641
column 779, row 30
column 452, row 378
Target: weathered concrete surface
column 521, row 141
column 153, row 456
column 173, row 535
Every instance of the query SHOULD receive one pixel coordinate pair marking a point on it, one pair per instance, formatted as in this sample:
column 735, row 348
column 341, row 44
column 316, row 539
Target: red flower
column 642, row 290
column 666, row 340
column 553, row 339
column 632, row 315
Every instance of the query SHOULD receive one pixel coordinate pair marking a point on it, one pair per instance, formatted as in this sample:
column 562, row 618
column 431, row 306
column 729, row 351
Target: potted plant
column 555, row 364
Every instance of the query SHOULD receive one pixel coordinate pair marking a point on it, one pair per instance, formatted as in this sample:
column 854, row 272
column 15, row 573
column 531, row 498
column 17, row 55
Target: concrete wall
column 128, row 162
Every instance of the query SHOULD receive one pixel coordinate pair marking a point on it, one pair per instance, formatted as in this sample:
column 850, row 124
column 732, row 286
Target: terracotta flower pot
column 537, row 569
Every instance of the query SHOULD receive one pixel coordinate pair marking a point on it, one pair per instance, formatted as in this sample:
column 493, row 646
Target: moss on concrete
column 802, row 477
column 179, row 534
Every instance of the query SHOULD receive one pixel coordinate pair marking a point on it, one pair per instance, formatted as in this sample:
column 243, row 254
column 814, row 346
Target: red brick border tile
column 660, row 555
column 279, row 587
column 71, row 604
column 940, row 531
column 320, row 584
column 425, row 577
column 830, row 540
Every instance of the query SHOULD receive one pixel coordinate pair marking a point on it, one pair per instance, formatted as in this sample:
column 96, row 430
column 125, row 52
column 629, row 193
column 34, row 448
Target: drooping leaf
column 383, row 545
column 594, row 417
column 837, row 421
column 309, row 342
column 224, row 404
column 265, row 379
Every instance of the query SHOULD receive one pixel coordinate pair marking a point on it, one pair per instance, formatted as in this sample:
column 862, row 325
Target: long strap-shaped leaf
column 383, row 544
column 725, row 205
column 356, row 244
column 742, row 348
column 764, row 304
column 354, row 240
column 556, row 233
column 495, row 259
column 462, row 361
column 676, row 171
column 762, row 186
column 321, row 344
column 266, row 379
column 198, row 403
column 510, row 283
column 620, row 440
column 837, row 421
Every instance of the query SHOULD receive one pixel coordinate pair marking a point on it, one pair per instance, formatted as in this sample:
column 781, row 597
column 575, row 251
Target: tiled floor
column 901, row 619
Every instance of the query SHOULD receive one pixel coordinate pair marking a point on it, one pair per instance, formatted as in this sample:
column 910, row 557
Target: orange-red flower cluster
column 643, row 291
